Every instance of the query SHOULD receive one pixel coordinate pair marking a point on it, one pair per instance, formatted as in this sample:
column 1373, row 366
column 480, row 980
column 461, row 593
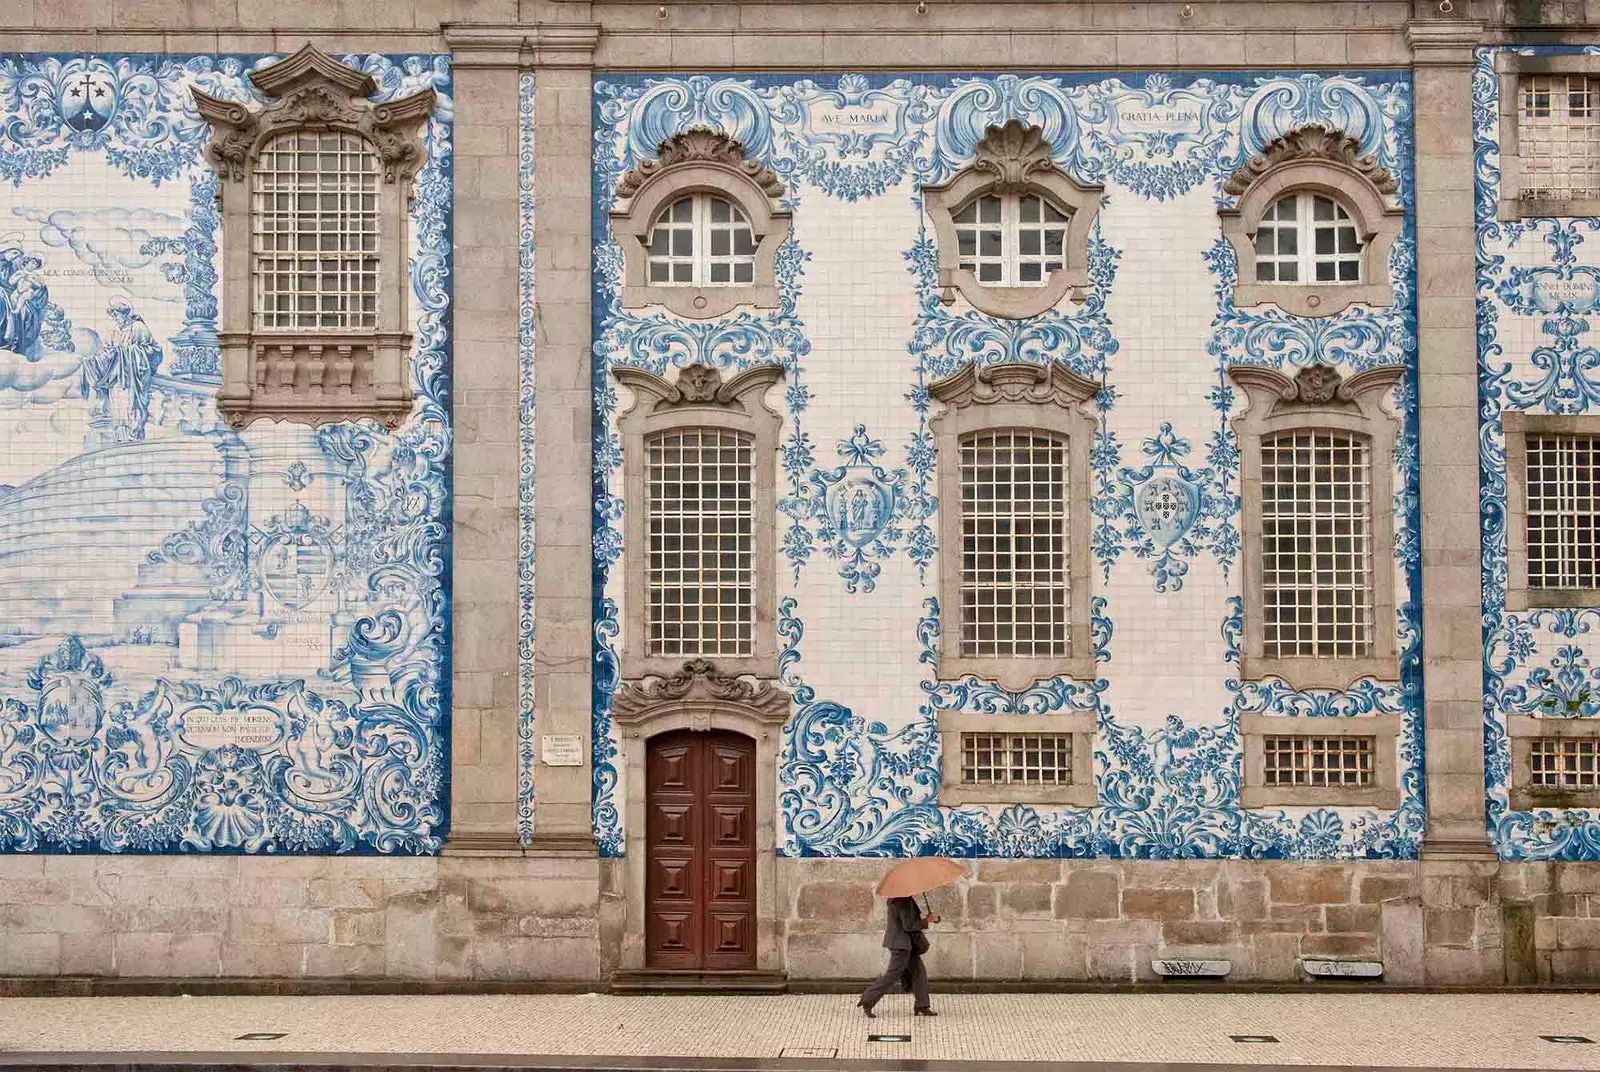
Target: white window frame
column 1517, row 201
column 1319, row 397
column 1011, row 227
column 1314, row 159
column 701, row 259
column 1305, row 225
column 694, row 162
column 699, row 398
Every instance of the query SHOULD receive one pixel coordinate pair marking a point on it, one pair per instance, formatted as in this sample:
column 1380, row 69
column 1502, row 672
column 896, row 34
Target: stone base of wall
column 550, row 919
column 444, row 918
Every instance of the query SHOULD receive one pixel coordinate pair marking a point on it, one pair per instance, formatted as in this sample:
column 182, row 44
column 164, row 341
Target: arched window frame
column 699, row 161
column 1013, row 159
column 313, row 376
column 1050, row 398
column 1328, row 162
column 1318, row 398
column 700, row 398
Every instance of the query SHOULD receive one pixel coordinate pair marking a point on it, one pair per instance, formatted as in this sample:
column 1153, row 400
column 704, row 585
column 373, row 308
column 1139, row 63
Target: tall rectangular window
column 1316, row 544
column 1563, row 490
column 700, row 573
column 315, row 232
column 1559, row 136
column 1015, row 588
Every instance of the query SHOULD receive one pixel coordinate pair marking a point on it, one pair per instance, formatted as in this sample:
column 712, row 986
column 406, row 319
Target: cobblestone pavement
column 1363, row 1030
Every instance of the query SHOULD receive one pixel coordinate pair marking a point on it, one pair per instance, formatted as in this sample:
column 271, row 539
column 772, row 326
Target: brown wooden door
column 700, row 837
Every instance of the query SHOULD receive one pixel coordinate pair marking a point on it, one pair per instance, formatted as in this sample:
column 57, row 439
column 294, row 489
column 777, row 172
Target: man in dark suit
column 906, row 943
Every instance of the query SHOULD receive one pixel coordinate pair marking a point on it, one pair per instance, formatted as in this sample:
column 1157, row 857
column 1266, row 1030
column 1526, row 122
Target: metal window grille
column 315, row 232
column 1014, row 564
column 1563, row 488
column 702, row 240
column 1283, row 254
column 1016, row 758
column 1316, row 544
column 1013, row 240
column 701, row 569
column 1565, row 762
column 1318, row 762
column 1558, row 136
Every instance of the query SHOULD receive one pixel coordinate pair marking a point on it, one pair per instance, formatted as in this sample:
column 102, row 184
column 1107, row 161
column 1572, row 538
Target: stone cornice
column 522, row 47
column 1444, row 43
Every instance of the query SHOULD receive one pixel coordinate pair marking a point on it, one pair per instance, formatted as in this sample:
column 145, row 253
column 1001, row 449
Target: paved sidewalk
column 1361, row 1030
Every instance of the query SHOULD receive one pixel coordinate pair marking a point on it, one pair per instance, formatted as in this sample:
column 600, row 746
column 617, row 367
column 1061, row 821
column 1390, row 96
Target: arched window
column 315, row 192
column 1012, row 240
column 1308, row 237
column 315, row 230
column 1012, row 228
column 1312, row 225
column 700, row 228
column 702, row 240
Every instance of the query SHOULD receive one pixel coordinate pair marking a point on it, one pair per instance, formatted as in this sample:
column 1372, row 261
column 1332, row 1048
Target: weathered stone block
column 1199, row 933
column 834, row 900
column 1308, row 883
column 997, row 956
column 1339, row 945
column 1402, row 942
column 1088, row 895
column 1026, row 900
column 1041, row 872
column 1359, row 918
column 30, row 954
column 1449, row 926
column 1055, row 956
column 981, row 902
column 358, row 926
column 1378, row 888
column 1142, row 903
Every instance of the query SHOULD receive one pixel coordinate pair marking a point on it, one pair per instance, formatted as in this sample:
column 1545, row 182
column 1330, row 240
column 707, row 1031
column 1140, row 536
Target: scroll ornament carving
column 1012, row 153
column 1316, row 385
column 700, row 146
column 1313, row 142
column 1053, row 383
column 699, row 682
column 701, row 384
column 316, row 92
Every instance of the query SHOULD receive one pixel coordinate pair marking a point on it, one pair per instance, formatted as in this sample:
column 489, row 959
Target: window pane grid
column 1014, row 567
column 1016, row 758
column 1307, row 238
column 1565, row 762
column 702, row 240
column 1318, row 762
column 314, row 232
column 1563, row 545
column 1011, row 240
column 701, row 571
column 1559, row 136
column 1316, row 545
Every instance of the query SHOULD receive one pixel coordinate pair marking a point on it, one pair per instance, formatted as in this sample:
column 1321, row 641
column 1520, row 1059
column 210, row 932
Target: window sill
column 699, row 302
column 1069, row 795
column 1552, row 598
column 1313, row 299
column 1314, row 673
column 1016, row 674
column 1384, row 798
column 1534, row 208
column 315, row 378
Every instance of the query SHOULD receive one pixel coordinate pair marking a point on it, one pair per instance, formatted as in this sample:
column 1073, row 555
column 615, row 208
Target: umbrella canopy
column 919, row 876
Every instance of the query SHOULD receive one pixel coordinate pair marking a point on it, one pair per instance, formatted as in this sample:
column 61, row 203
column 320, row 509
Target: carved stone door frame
column 700, row 698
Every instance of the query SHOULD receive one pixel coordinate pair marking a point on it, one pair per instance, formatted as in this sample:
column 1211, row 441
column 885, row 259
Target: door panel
column 700, row 839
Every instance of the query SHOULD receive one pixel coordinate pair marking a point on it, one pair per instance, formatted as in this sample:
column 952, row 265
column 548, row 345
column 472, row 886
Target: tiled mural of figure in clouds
column 210, row 641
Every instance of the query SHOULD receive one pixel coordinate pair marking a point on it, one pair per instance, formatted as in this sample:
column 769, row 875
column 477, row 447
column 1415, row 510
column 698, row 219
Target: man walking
column 905, row 941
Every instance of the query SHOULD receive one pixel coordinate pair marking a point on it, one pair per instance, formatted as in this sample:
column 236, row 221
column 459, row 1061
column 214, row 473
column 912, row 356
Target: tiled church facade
column 359, row 702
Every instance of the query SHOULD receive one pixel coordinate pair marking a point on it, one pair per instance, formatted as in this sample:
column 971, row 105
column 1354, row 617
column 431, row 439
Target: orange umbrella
column 919, row 875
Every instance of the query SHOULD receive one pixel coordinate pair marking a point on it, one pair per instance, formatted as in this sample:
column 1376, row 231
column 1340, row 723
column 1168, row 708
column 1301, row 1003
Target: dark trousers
column 903, row 964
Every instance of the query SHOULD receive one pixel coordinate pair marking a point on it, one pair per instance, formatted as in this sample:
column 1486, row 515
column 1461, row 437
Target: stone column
column 1462, row 935
column 563, row 611
column 483, row 788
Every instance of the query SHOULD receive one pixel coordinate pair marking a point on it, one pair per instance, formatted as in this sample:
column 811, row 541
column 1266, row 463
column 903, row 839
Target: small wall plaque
column 1343, row 969
column 1177, row 968
column 561, row 750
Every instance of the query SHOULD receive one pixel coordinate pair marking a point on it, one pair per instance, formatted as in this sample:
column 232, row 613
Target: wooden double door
column 700, row 837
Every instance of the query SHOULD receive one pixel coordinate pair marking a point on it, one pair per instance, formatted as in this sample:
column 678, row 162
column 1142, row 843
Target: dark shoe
column 864, row 1007
column 924, row 1012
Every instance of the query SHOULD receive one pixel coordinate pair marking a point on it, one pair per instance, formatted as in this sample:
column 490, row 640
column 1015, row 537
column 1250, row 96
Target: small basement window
column 1318, row 762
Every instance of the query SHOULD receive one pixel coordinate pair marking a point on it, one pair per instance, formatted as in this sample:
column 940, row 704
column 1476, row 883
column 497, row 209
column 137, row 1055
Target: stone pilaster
column 1462, row 933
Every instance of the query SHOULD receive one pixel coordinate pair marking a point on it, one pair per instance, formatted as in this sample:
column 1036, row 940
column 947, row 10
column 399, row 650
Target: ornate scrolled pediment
column 1317, row 386
column 1316, row 143
column 700, row 146
column 699, row 685
column 314, row 91
column 1014, row 154
column 1051, row 383
column 701, row 385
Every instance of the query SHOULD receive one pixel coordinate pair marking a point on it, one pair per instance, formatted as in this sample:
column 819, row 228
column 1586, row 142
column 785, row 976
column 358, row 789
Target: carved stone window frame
column 1328, row 162
column 309, row 376
column 699, row 161
column 699, row 696
column 1079, row 793
column 1523, row 730
column 1517, row 426
column 1511, row 69
column 1050, row 398
column 700, row 398
column 1013, row 159
column 1318, row 397
column 1384, row 793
